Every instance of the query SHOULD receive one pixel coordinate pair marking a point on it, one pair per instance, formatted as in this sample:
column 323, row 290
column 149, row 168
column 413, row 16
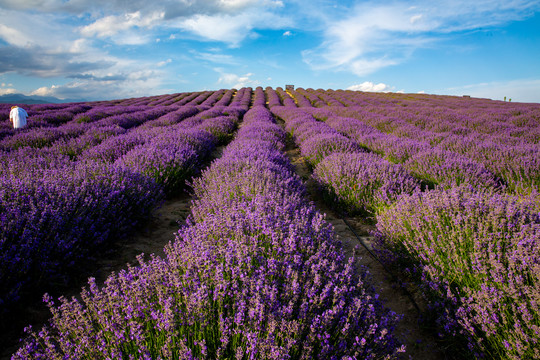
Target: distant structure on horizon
column 289, row 87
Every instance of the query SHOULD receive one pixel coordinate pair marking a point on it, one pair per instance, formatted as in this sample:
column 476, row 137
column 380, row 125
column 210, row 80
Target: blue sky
column 112, row 49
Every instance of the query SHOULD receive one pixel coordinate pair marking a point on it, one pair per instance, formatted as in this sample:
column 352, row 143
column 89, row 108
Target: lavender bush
column 54, row 217
column 475, row 255
column 362, row 182
column 316, row 139
column 448, row 169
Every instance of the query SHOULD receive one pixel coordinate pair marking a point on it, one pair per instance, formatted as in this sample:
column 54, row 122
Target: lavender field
column 449, row 187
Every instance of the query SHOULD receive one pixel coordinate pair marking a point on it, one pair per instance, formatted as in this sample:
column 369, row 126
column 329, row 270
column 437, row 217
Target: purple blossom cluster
column 131, row 119
column 259, row 98
column 173, row 117
column 36, row 137
column 392, row 147
column 256, row 274
column 225, row 100
column 99, row 112
column 57, row 213
column 475, row 256
column 363, row 182
column 434, row 165
column 448, row 169
column 311, row 95
column 272, row 97
column 201, row 98
column 55, row 115
column 164, row 100
column 73, row 146
column 181, row 99
column 213, row 98
column 301, row 97
column 242, row 98
column 315, row 138
column 327, row 98
column 286, row 99
column 356, row 181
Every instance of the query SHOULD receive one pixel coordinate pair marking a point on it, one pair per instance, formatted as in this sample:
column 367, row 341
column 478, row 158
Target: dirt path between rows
column 420, row 343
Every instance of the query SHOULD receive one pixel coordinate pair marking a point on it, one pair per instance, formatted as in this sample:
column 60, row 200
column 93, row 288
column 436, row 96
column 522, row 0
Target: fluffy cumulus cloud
column 236, row 81
column 231, row 28
column 369, row 86
column 5, row 91
column 112, row 25
column 118, row 48
column 173, row 8
column 127, row 23
column 85, row 41
column 374, row 35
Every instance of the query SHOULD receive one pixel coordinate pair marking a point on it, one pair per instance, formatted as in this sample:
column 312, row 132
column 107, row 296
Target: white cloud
column 374, row 35
column 110, row 26
column 415, row 18
column 362, row 67
column 236, row 81
column 173, row 8
column 231, row 28
column 36, row 29
column 80, row 46
column 163, row 63
column 369, row 86
column 12, row 36
column 215, row 56
column 45, row 91
column 5, row 91
column 75, row 40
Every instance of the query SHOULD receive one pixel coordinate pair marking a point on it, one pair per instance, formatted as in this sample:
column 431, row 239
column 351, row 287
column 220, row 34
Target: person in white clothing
column 18, row 117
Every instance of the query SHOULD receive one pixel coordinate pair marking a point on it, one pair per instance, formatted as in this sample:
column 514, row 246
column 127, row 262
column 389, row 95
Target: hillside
column 320, row 224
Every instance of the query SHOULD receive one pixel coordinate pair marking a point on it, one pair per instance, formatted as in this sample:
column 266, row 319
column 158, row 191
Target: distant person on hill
column 18, row 117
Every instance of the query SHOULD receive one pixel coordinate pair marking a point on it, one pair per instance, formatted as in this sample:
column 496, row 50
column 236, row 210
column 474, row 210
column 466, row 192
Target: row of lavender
column 256, row 274
column 420, row 130
column 52, row 115
column 68, row 190
column 470, row 245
